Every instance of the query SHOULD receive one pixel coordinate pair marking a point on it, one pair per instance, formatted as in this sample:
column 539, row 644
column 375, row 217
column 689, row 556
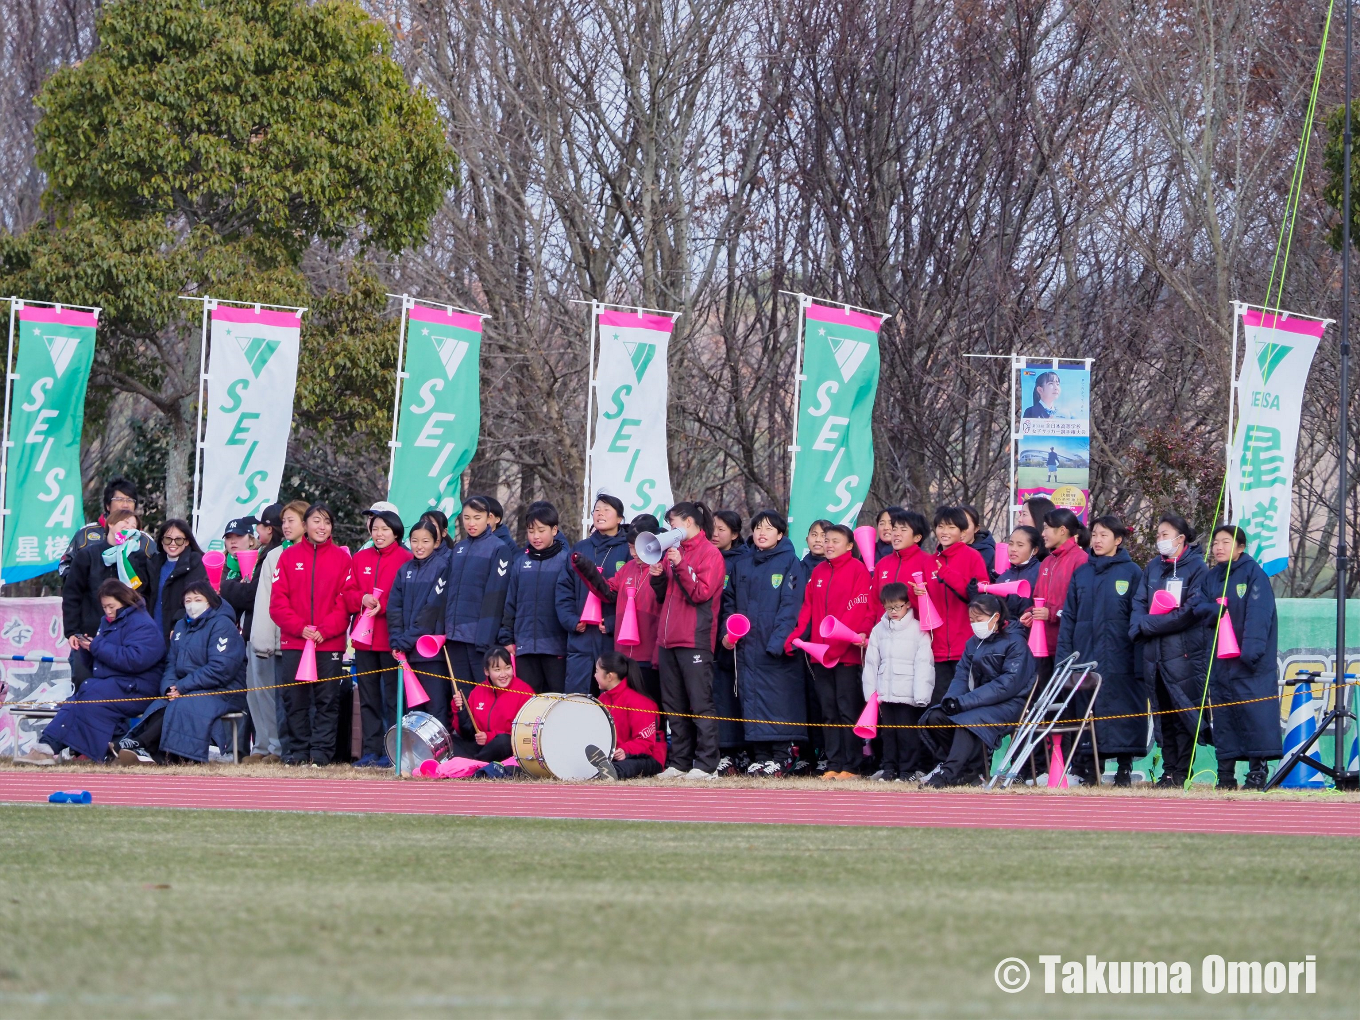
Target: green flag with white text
column 440, row 414
column 47, row 414
column 833, row 461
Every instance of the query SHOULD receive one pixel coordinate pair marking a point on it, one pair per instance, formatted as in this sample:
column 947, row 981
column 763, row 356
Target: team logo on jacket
column 501, row 567
column 776, row 580
column 618, row 565
column 368, row 570
column 439, row 587
column 221, row 644
column 1241, row 590
column 527, row 565
column 1121, row 587
column 298, row 566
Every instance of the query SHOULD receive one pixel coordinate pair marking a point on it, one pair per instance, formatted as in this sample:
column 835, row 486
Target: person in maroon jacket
column 306, row 600
column 840, row 586
column 956, row 563
column 1063, row 537
column 372, row 573
column 639, row 750
column 689, row 583
column 906, row 534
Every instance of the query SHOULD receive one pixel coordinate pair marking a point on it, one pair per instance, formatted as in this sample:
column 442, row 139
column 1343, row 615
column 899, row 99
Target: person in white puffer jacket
column 899, row 667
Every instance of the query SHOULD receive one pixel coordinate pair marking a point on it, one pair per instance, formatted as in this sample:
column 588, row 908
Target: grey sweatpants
column 260, row 699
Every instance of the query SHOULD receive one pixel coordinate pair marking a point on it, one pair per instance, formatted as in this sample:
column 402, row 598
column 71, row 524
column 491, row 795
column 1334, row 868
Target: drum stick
column 449, row 663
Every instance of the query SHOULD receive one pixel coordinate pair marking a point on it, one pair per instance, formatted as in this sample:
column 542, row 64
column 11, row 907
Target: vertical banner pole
column 401, row 708
column 1343, row 430
column 1232, row 402
column 208, row 304
column 406, row 303
column 590, row 419
column 14, row 305
column 1013, row 507
column 798, row 378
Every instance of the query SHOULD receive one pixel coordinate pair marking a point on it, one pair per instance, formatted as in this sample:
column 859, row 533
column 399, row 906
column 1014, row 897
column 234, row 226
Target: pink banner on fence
column 30, row 627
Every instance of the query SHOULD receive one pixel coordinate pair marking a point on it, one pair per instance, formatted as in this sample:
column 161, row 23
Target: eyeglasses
column 174, row 540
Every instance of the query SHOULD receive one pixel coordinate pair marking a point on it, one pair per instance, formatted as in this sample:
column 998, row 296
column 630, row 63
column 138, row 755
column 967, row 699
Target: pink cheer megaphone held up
column 246, row 560
column 866, row 540
column 833, row 630
column 1004, row 588
column 867, row 724
column 1162, row 602
column 820, row 653
column 1038, row 635
column 214, row 562
column 738, row 626
column 1001, row 562
column 414, row 692
column 1227, row 637
column 428, row 645
column 592, row 613
column 930, row 617
column 306, row 671
column 628, row 634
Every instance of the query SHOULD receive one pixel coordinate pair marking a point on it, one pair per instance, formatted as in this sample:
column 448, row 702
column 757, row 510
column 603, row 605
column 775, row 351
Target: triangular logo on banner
column 849, row 354
column 451, row 351
column 257, row 351
column 61, row 349
column 641, row 356
column 1269, row 356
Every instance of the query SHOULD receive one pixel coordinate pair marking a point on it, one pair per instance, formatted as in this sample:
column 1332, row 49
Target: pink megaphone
column 1057, row 768
column 628, row 629
column 415, row 693
column 428, row 645
column 246, row 559
column 738, row 626
column 866, row 539
column 1227, row 637
column 1162, row 602
column 362, row 631
column 213, row 563
column 592, row 614
column 1001, row 562
column 1038, row 635
column 867, row 724
column 833, row 630
column 427, row 769
column 306, row 671
column 1004, row 588
column 929, row 616
column 819, row 652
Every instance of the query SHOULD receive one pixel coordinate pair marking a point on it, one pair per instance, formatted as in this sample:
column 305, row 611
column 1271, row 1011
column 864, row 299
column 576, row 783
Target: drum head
column 423, row 737
column 568, row 726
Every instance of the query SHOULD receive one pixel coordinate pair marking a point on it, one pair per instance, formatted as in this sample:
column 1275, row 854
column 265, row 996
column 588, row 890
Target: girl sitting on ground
column 486, row 713
column 639, row 750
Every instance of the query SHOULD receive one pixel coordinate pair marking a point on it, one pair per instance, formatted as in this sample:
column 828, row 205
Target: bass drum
column 423, row 737
column 551, row 731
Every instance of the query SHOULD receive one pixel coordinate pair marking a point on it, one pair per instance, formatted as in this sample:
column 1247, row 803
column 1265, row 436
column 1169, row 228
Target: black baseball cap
column 272, row 516
column 241, row 526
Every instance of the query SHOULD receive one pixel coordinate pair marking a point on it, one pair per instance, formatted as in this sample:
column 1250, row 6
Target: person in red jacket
column 907, row 532
column 372, row 573
column 840, row 586
column 956, row 563
column 1063, row 537
column 689, row 583
column 639, row 750
column 306, row 601
column 489, row 709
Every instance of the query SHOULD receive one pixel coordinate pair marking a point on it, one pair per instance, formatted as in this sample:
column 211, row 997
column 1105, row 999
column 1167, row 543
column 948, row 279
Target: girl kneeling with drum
column 489, row 710
column 641, row 750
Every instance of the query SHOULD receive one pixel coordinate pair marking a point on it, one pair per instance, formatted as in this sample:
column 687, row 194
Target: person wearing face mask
column 1095, row 625
column 207, row 659
column 529, row 626
column 1063, row 536
column 607, row 547
column 127, row 653
column 479, row 574
column 1175, row 647
column 991, row 684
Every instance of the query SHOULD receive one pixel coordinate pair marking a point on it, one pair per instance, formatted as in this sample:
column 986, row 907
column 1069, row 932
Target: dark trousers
column 944, row 676
column 580, row 672
column 687, row 689
column 901, row 748
column 841, row 697
column 635, row 765
column 148, row 732
column 816, row 741
column 1178, row 735
column 282, row 676
column 959, row 751
column 377, row 683
column 546, row 674
column 313, row 709
column 496, row 749
column 433, row 675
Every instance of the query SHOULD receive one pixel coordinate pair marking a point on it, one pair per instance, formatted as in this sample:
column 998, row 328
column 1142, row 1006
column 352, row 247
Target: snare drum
column 423, row 737
column 551, row 731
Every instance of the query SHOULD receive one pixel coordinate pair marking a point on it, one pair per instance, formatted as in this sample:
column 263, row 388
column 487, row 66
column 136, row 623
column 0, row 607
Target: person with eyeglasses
column 120, row 495
column 176, row 562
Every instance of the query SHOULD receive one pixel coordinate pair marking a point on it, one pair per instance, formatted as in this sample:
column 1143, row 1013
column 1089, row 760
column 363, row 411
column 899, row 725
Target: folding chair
column 1042, row 717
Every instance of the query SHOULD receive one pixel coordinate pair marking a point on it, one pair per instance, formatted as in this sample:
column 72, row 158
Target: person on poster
column 1051, row 466
column 1047, row 389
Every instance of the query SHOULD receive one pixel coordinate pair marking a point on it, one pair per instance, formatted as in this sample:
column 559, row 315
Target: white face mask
column 1166, row 547
column 983, row 629
column 195, row 609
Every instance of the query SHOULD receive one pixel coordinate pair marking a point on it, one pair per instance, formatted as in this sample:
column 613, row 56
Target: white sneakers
column 674, row 773
column 40, row 755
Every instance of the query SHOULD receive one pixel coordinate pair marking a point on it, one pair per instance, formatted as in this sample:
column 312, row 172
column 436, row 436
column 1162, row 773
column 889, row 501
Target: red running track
column 969, row 810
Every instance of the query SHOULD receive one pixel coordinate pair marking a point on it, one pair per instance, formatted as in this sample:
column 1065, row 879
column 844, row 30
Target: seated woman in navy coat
column 127, row 653
column 204, row 678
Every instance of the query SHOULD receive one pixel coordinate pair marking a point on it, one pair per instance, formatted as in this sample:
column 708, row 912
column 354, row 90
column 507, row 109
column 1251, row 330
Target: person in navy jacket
column 1095, row 625
column 1244, row 690
column 607, row 547
column 727, row 528
column 479, row 574
column 1022, row 549
column 767, row 588
column 529, row 625
column 415, row 609
column 127, row 653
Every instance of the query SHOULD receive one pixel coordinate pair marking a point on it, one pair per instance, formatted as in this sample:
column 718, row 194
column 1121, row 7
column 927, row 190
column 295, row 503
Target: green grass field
column 1036, row 477
column 128, row 912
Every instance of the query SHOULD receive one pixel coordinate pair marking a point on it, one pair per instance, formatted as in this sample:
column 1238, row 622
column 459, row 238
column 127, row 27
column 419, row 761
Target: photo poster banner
column 1053, row 442
column 833, row 455
column 1277, row 355
column 47, row 415
column 440, row 413
column 30, row 627
column 629, row 458
column 252, row 374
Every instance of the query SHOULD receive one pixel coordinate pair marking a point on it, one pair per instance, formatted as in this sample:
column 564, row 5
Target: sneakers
column 37, row 756
column 132, row 753
column 915, row 777
column 697, row 773
column 1255, row 780
column 768, row 769
column 366, row 761
column 1124, row 777
column 929, row 777
column 727, row 766
column 604, row 768
column 800, row 767
column 382, row 763
column 884, row 776
column 672, row 773
column 254, row 758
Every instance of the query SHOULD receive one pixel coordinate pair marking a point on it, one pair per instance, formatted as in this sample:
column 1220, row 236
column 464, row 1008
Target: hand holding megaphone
column 651, row 548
